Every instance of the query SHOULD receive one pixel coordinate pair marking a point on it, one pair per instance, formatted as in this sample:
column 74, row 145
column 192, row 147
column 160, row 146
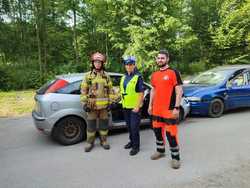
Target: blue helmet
column 129, row 60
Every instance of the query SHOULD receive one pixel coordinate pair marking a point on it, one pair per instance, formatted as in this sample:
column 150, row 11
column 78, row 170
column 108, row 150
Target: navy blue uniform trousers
column 133, row 123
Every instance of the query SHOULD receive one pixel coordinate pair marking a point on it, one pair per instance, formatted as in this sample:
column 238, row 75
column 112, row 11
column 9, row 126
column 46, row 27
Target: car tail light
column 37, row 107
column 58, row 84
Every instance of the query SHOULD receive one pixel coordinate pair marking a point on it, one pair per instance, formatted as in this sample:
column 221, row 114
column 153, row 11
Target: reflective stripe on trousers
column 172, row 140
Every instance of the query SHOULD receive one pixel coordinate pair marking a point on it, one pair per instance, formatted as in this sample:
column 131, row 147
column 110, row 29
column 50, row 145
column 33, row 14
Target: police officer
column 131, row 88
column 97, row 95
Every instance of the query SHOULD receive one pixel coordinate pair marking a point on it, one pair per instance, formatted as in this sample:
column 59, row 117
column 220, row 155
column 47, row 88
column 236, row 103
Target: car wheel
column 70, row 130
column 216, row 108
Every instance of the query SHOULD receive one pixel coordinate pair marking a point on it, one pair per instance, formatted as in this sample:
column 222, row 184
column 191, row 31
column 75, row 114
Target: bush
column 5, row 79
column 197, row 67
column 16, row 77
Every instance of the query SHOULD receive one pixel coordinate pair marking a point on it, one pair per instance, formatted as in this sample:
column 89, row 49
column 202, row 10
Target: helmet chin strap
column 98, row 70
column 101, row 68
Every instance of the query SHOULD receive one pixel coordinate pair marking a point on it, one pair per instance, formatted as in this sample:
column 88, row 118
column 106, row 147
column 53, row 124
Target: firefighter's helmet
column 97, row 56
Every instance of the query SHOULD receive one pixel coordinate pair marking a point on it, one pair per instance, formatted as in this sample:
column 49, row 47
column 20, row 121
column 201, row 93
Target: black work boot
column 134, row 151
column 104, row 142
column 89, row 147
column 90, row 140
column 128, row 145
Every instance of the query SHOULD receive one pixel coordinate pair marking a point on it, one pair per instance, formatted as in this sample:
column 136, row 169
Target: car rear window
column 52, row 86
column 45, row 87
column 71, row 88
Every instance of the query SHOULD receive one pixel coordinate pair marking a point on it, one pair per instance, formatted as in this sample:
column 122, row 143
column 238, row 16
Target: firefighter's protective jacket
column 96, row 90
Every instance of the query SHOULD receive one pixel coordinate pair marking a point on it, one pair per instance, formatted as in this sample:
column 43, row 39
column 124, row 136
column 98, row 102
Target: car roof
column 72, row 77
column 233, row 67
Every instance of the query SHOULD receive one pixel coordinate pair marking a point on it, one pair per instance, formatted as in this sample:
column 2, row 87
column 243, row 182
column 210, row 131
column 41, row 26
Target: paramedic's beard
column 162, row 65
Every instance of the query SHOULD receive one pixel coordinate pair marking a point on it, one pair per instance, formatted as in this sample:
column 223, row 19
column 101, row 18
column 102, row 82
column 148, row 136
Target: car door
column 238, row 90
column 246, row 87
column 117, row 112
column 70, row 96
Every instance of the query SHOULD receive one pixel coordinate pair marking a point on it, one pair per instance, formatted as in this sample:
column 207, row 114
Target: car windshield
column 211, row 77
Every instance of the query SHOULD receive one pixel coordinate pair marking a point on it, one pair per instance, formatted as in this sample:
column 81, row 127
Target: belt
column 168, row 121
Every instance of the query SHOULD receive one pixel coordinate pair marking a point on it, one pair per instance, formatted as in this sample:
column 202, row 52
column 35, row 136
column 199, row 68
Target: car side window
column 72, row 88
column 247, row 78
column 116, row 85
column 116, row 80
column 238, row 81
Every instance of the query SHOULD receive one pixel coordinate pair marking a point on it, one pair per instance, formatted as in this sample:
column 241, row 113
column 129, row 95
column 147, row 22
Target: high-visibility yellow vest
column 129, row 96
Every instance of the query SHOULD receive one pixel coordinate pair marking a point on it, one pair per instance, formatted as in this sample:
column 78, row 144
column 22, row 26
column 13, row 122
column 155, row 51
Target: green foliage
column 19, row 77
column 5, row 79
column 197, row 67
column 231, row 36
column 39, row 39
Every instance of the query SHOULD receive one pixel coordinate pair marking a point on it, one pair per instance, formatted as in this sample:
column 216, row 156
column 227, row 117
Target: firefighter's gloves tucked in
column 86, row 108
column 89, row 105
column 112, row 106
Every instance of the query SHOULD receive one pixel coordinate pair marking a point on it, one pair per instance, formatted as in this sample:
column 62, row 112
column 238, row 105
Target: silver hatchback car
column 59, row 113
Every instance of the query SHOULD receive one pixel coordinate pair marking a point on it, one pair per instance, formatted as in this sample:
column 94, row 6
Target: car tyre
column 216, row 108
column 70, row 130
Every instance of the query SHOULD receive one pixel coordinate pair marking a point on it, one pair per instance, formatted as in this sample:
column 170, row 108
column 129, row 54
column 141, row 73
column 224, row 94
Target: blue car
column 217, row 90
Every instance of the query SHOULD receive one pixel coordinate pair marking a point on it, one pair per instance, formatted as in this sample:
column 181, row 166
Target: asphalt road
column 215, row 153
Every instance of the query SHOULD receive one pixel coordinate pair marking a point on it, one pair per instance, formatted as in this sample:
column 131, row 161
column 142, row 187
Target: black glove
column 112, row 106
column 109, row 107
column 86, row 108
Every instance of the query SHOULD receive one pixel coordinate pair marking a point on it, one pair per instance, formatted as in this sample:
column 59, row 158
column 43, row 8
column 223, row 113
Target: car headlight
column 184, row 100
column 194, row 99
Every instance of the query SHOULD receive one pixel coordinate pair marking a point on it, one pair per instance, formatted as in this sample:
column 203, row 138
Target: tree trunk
column 43, row 38
column 20, row 30
column 39, row 48
column 106, row 45
column 75, row 34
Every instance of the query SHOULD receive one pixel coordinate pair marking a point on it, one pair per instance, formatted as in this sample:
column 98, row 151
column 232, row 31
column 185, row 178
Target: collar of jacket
column 98, row 72
column 164, row 68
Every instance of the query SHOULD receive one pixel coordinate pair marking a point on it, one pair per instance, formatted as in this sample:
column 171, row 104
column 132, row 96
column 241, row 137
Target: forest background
column 43, row 38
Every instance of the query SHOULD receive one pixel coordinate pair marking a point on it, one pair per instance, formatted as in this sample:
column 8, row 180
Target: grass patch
column 16, row 103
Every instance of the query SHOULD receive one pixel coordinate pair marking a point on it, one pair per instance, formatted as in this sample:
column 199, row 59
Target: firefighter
column 131, row 88
column 164, row 106
column 96, row 96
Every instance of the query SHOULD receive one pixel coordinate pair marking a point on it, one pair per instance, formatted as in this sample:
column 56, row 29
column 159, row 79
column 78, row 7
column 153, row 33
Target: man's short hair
column 165, row 52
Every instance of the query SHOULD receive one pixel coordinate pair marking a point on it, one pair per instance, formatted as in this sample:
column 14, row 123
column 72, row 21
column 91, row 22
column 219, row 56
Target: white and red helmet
column 97, row 56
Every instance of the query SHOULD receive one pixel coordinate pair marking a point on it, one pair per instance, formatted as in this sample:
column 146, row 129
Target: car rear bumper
column 199, row 108
column 41, row 123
